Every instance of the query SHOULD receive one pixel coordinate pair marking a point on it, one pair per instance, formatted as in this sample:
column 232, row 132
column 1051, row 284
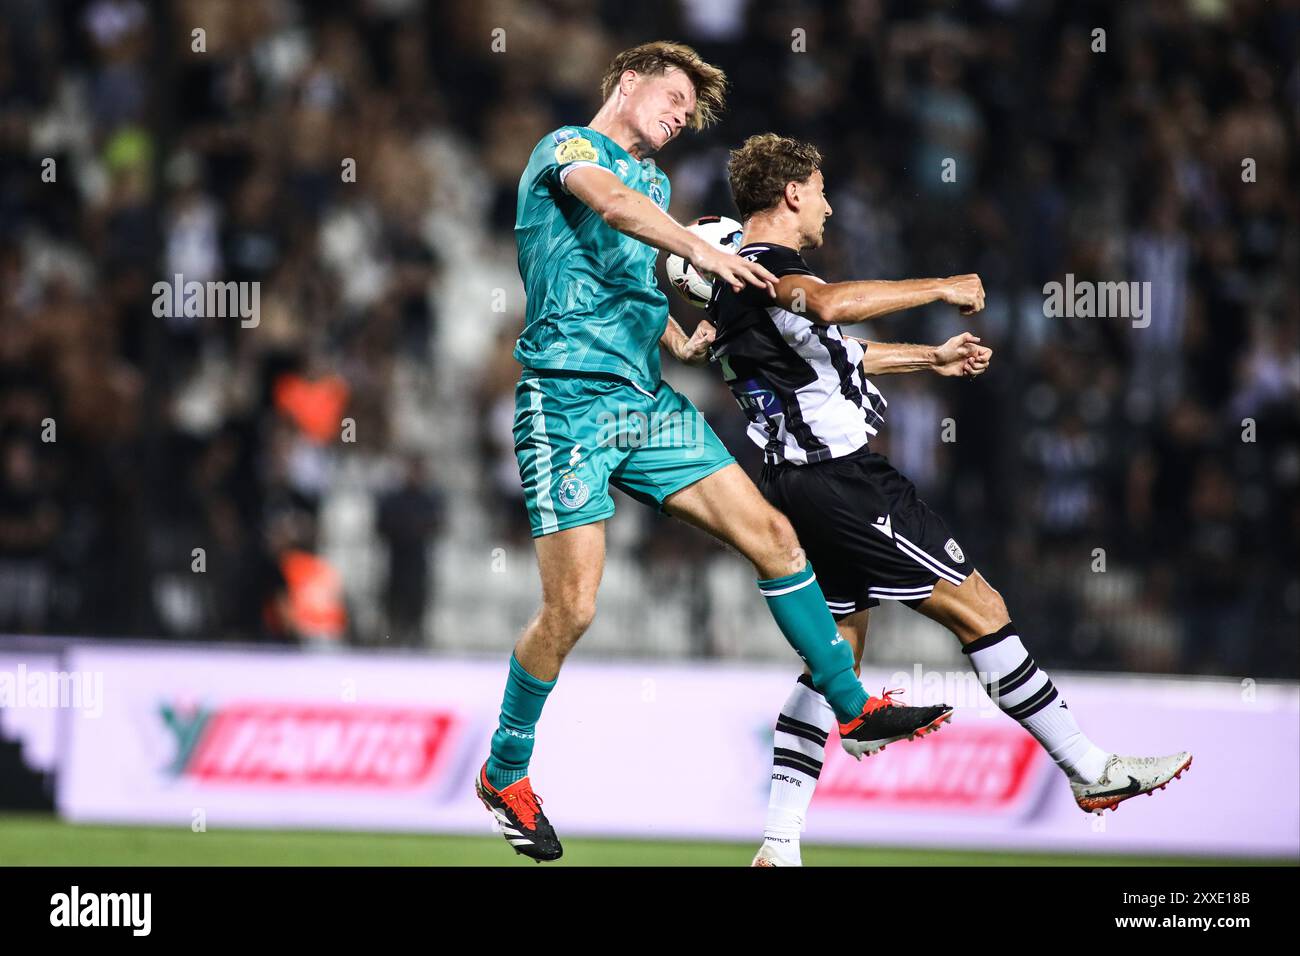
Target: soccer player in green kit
column 591, row 218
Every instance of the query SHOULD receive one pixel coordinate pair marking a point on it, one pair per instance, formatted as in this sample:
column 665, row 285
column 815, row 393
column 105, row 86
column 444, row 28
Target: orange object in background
column 316, row 606
column 316, row 406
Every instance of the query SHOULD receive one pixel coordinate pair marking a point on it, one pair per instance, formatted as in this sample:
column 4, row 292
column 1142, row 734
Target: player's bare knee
column 581, row 613
column 982, row 610
column 997, row 610
column 567, row 620
column 782, row 543
column 991, row 608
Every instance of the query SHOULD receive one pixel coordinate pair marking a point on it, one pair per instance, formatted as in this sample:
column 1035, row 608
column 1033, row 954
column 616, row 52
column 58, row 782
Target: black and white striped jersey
column 800, row 383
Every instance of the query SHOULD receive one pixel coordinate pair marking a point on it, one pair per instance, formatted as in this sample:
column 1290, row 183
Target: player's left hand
column 962, row 355
column 695, row 350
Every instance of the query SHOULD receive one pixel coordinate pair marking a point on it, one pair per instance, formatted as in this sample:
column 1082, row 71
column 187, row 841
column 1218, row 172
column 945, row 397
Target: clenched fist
column 966, row 292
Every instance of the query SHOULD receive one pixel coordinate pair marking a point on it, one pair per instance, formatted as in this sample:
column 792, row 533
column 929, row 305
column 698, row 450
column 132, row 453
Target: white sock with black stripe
column 1027, row 694
column 797, row 751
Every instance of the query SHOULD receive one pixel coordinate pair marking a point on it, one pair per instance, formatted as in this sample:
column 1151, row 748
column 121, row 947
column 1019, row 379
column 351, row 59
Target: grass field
column 27, row 840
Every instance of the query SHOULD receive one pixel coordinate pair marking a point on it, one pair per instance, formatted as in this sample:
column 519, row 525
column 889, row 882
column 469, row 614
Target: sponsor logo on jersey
column 561, row 135
column 757, row 403
column 954, row 550
column 576, row 150
column 573, row 491
column 621, row 166
column 754, row 395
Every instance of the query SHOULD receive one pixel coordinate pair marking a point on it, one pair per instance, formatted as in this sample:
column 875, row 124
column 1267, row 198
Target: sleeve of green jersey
column 569, row 148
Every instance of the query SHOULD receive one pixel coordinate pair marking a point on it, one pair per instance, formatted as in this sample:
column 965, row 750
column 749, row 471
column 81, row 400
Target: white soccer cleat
column 768, row 855
column 1126, row 777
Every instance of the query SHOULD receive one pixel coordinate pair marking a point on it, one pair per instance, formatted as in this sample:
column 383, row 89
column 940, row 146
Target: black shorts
column 868, row 536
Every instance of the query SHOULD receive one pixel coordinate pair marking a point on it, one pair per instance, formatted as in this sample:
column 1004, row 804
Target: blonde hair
column 655, row 59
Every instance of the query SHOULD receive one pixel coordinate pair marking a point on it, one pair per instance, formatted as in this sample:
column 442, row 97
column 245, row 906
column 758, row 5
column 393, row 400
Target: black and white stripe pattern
column 841, row 607
column 1011, row 677
column 800, row 382
column 503, row 825
column 798, row 746
column 901, row 594
column 801, row 732
column 929, row 561
column 1024, row 692
column 836, row 413
column 926, row 560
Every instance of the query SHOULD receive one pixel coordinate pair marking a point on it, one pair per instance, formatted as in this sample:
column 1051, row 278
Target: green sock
column 512, row 744
column 797, row 603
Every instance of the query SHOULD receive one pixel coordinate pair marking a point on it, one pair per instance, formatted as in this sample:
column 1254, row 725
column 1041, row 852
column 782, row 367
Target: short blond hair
column 655, row 59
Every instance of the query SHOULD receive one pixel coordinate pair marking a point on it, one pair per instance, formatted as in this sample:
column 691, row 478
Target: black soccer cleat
column 519, row 817
column 884, row 721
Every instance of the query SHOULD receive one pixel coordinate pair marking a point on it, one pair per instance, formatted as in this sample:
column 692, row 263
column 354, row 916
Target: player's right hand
column 966, row 292
column 734, row 270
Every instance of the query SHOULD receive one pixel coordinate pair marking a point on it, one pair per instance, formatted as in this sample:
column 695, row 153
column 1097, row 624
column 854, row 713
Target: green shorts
column 577, row 435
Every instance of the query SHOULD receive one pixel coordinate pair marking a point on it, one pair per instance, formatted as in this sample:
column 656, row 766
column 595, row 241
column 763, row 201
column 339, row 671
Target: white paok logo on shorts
column 954, row 551
column 573, row 492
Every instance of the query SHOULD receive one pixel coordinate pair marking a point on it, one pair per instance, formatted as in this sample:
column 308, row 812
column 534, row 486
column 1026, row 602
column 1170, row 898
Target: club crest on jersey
column 954, row 551
column 657, row 195
column 573, row 491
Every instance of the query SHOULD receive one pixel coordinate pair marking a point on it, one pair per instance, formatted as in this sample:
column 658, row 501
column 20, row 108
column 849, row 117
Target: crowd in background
column 1133, row 488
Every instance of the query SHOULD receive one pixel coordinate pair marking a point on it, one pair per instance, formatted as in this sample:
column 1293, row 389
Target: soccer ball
column 696, row 287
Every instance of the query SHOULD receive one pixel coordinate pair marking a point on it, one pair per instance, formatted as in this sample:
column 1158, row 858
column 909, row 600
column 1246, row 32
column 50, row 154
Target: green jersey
column 593, row 302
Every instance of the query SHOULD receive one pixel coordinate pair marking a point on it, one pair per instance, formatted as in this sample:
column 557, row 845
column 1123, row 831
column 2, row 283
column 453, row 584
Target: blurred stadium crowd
column 294, row 480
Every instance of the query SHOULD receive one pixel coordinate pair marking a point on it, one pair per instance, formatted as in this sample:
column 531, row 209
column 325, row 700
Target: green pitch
column 44, row 840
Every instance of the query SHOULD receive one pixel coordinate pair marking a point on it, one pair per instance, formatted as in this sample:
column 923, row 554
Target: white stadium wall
column 275, row 739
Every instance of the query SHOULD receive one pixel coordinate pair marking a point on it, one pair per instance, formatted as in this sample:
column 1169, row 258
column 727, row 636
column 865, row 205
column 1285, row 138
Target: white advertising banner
column 277, row 739
column 33, row 692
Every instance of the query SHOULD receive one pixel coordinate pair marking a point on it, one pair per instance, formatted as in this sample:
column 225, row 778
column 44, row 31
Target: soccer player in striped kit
column 813, row 410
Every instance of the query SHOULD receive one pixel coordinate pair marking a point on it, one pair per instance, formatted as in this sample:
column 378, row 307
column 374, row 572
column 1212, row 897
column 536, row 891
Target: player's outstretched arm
column 960, row 355
column 844, row 303
column 637, row 216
